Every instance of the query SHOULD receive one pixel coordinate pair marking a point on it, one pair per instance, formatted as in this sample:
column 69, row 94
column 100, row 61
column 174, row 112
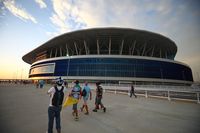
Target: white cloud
column 41, row 3
column 51, row 34
column 66, row 16
column 59, row 23
column 159, row 6
column 17, row 11
column 71, row 15
column 2, row 11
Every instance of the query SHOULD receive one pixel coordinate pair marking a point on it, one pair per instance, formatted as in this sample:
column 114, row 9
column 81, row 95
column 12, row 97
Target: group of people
column 39, row 84
column 57, row 93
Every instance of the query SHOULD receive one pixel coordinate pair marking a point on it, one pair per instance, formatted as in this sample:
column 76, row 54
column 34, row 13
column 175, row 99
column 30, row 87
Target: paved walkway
column 24, row 110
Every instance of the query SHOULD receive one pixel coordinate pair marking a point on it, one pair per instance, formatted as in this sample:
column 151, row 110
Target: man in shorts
column 86, row 93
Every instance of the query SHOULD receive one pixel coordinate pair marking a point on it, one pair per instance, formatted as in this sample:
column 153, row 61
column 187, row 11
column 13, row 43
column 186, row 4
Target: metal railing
column 184, row 93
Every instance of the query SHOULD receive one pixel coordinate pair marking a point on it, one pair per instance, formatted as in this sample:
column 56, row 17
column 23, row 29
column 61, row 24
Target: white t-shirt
column 52, row 91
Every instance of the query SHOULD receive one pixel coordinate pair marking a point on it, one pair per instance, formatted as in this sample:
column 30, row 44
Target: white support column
column 130, row 50
column 50, row 54
column 198, row 101
column 56, row 53
column 133, row 47
column 67, row 50
column 147, row 51
column 144, row 49
column 146, row 95
column 98, row 47
column 121, row 48
column 60, row 51
column 168, row 94
column 86, row 48
column 152, row 53
column 109, row 45
column 76, row 48
column 160, row 53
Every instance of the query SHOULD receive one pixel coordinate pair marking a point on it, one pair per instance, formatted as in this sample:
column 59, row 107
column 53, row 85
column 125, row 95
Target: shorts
column 85, row 99
column 75, row 106
column 98, row 100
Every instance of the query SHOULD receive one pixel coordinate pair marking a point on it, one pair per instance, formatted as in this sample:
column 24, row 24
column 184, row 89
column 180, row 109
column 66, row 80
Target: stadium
column 110, row 55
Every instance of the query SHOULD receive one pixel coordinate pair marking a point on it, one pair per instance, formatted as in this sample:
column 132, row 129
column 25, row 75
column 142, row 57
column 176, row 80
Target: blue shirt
column 87, row 88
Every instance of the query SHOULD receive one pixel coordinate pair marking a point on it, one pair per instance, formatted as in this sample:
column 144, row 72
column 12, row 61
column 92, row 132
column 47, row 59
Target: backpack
column 84, row 93
column 58, row 97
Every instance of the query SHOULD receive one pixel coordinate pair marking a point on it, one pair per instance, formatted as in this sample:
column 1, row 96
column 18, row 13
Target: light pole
column 105, row 73
column 183, row 74
column 22, row 73
column 161, row 72
column 68, row 66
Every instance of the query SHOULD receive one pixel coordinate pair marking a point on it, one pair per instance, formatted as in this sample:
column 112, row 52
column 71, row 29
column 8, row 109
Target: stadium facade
column 109, row 54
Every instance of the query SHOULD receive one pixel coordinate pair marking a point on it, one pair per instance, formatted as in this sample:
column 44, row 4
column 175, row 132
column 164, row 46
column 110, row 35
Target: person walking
column 41, row 83
column 37, row 83
column 132, row 91
column 99, row 96
column 56, row 94
column 76, row 93
column 86, row 93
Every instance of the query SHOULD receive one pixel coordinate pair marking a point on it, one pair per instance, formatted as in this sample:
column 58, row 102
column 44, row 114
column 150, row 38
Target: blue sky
column 26, row 24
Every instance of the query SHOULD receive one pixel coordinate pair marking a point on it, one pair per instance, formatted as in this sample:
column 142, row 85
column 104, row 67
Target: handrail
column 170, row 93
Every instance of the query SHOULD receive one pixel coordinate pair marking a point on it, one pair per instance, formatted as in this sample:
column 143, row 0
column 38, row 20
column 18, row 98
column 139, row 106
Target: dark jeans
column 53, row 112
column 75, row 106
column 132, row 93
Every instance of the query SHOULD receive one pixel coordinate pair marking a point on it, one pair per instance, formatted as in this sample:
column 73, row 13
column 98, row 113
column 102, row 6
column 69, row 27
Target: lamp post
column 68, row 66
column 134, row 73
column 161, row 72
column 21, row 73
column 183, row 74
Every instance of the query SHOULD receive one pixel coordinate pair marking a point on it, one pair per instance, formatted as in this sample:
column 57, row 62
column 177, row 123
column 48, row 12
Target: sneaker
column 73, row 113
column 58, row 131
column 81, row 109
column 94, row 110
column 104, row 109
column 86, row 113
column 76, row 118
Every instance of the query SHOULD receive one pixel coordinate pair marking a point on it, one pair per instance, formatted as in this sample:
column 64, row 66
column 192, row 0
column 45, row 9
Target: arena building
column 110, row 55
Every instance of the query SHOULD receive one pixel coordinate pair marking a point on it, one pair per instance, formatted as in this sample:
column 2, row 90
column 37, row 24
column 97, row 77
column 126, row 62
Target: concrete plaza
column 24, row 110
